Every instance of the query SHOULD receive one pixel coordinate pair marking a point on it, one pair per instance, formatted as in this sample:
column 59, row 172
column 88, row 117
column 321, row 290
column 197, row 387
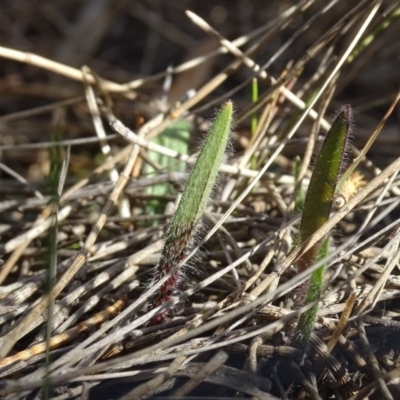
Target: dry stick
column 256, row 68
column 361, row 154
column 77, row 353
column 200, row 320
column 303, row 28
column 228, row 257
column 156, row 382
column 216, row 361
column 339, row 328
column 231, row 241
column 132, row 137
column 12, row 260
column 307, row 385
column 123, row 203
column 261, row 338
column 392, row 376
column 42, row 224
column 199, row 60
column 337, row 369
column 155, row 22
column 237, row 348
column 264, row 121
column 91, row 302
column 54, row 205
column 62, row 143
column 252, row 65
column 53, row 66
column 374, row 365
column 74, row 392
column 18, row 292
column 23, row 326
column 112, row 278
column 10, row 386
column 20, row 243
column 259, row 287
column 197, row 322
column 384, row 31
column 206, row 89
column 334, row 219
column 39, row 61
column 337, row 295
column 375, row 205
column 218, row 345
column 19, row 178
column 115, row 348
column 76, row 74
column 39, row 110
column 342, row 322
column 64, row 337
column 389, row 378
column 97, row 123
column 310, row 53
column 111, row 86
column 380, row 283
column 235, row 379
column 120, row 156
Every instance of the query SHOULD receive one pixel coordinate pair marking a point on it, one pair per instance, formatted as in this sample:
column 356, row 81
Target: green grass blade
column 191, row 207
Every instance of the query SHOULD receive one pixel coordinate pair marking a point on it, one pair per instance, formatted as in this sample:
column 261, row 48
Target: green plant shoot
column 317, row 206
column 190, row 209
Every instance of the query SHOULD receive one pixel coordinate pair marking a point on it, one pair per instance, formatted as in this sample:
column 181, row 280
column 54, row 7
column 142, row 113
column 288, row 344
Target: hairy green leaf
column 317, row 206
column 191, row 207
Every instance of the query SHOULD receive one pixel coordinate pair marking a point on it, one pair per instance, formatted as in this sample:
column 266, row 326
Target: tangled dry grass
column 79, row 242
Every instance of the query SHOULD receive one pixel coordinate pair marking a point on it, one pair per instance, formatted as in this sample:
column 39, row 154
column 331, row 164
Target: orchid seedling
column 329, row 167
column 185, row 223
